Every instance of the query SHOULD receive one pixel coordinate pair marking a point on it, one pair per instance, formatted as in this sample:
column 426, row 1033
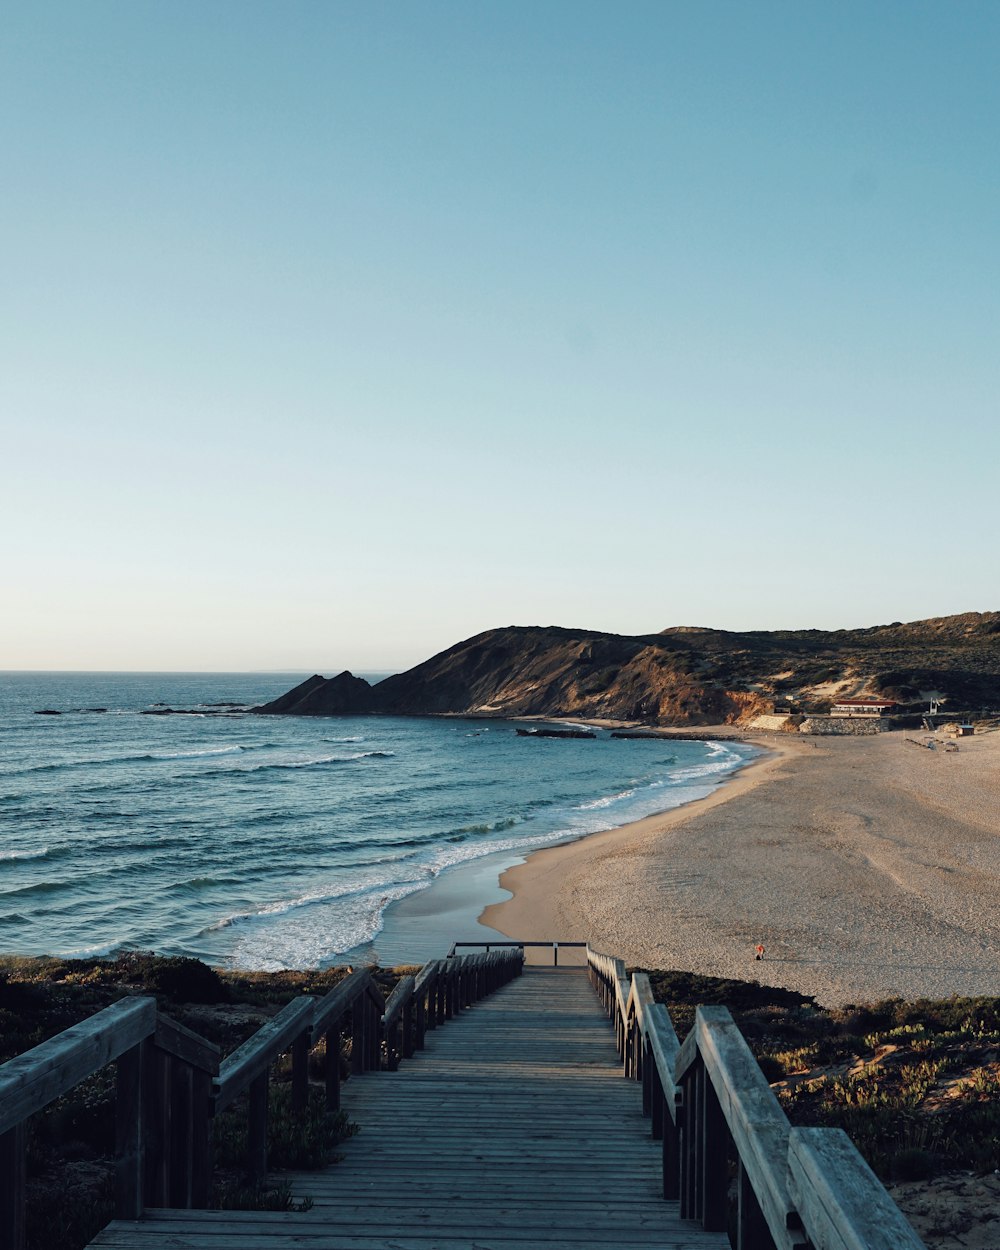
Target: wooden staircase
column 513, row 1128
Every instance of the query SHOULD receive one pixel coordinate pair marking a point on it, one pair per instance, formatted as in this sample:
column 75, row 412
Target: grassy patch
column 915, row 1084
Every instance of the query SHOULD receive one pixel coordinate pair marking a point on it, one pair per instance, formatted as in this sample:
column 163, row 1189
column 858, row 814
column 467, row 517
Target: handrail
column 30, row 1081
column 238, row 1070
column 495, row 944
column 794, row 1186
column 170, row 1081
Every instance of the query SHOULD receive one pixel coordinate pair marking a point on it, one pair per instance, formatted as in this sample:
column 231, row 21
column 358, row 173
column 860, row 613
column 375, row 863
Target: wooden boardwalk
column 513, row 1128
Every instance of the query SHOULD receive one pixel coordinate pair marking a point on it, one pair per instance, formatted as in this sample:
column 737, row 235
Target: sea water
column 271, row 841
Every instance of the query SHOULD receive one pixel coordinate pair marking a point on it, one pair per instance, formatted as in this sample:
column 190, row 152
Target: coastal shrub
column 231, row 1194
column 305, row 1139
column 912, row 1164
column 916, row 1085
column 179, row 979
column 772, row 1068
column 69, row 1205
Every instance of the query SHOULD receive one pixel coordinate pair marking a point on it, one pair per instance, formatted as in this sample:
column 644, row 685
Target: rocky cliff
column 682, row 676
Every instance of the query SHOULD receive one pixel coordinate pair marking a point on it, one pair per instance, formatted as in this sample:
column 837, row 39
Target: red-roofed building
column 862, row 707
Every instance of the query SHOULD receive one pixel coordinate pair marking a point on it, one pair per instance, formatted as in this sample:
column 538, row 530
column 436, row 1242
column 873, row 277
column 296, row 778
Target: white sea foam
column 606, row 801
column 36, row 853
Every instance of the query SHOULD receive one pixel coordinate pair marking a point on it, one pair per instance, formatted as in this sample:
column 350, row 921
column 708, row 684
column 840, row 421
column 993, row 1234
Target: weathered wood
column 13, row 1185
column 184, row 1044
column 359, row 1023
column 843, row 1204
column 663, row 1048
column 300, row 1072
column 714, row 1160
column 401, row 994
column 752, row 1232
column 753, row 1116
column 257, row 1125
column 156, row 1124
column 332, row 1075
column 201, row 1138
column 331, row 1008
column 260, row 1051
column 179, row 1143
column 31, row 1081
column 129, row 1133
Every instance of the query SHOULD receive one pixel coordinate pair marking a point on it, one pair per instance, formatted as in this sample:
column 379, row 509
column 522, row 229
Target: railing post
column 671, row 1152
column 333, row 1068
column 646, row 1073
column 752, row 1232
column 155, row 1092
column 257, row 1126
column 201, row 1138
column 374, row 1036
column 407, row 1025
column 688, row 1147
column 714, row 1136
column 13, row 1168
column 420, row 1018
column 179, row 1146
column 359, row 1012
column 300, row 1072
column 440, row 988
column 128, row 1134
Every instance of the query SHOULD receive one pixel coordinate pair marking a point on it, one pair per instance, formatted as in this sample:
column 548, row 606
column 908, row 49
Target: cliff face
column 682, row 676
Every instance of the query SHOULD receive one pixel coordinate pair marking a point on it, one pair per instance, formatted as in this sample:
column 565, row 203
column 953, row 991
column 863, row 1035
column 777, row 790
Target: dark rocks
column 342, row 695
column 555, row 733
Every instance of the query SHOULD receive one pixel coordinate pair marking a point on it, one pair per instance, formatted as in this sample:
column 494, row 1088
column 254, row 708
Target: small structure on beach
column 862, row 707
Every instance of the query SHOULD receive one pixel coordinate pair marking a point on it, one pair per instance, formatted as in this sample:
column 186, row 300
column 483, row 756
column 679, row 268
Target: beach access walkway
column 518, row 1123
column 512, row 1128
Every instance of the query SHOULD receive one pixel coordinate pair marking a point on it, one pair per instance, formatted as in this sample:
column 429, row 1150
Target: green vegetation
column 916, row 1085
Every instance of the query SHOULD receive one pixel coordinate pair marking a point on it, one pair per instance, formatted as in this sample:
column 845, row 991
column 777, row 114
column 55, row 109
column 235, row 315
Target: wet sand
column 868, row 867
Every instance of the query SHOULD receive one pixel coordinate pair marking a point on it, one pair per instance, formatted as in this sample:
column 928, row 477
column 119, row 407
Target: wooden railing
column 708, row 1101
column 501, row 945
column 170, row 1082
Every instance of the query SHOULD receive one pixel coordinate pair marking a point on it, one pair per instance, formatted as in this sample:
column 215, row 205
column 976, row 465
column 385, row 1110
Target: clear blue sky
column 333, row 333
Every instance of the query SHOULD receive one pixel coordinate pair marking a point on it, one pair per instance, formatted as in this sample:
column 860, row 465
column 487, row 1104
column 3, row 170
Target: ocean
column 278, row 842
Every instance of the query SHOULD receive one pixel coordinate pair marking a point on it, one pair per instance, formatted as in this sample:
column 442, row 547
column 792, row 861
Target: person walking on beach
column 758, row 951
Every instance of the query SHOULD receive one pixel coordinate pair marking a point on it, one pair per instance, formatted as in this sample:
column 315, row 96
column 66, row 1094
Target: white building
column 863, row 707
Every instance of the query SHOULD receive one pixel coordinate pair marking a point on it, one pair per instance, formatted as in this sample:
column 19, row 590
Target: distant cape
column 684, row 675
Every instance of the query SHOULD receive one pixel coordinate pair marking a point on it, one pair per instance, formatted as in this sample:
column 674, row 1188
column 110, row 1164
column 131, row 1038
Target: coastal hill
column 682, row 676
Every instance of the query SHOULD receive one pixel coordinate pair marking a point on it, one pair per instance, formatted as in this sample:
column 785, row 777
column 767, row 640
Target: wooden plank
column 332, row 1007
column 663, row 1049
column 397, row 1000
column 258, row 1053
column 31, row 1081
column 13, row 1190
column 754, row 1117
column 183, row 1043
column 129, row 1134
column 842, row 1202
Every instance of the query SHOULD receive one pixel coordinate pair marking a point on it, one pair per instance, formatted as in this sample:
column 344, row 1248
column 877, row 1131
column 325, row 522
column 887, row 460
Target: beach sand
column 868, row 867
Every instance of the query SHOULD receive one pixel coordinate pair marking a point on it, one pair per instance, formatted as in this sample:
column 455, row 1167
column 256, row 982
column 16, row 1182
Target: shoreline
column 867, row 867
column 457, row 906
column 524, row 881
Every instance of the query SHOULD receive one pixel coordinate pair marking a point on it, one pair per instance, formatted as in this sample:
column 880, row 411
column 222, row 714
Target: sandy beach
column 868, row 867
